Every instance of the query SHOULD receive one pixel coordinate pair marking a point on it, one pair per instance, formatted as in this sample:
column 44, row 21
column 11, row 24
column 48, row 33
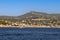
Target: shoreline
column 28, row 26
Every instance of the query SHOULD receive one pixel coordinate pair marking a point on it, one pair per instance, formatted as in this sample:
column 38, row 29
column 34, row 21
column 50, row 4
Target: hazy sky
column 19, row 7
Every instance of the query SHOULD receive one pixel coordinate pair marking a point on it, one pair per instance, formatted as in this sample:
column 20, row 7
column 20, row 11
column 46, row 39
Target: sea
column 29, row 33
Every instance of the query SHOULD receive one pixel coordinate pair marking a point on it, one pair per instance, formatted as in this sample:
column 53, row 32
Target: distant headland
column 31, row 19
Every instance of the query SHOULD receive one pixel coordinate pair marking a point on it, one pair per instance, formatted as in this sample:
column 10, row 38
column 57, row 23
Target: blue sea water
column 29, row 33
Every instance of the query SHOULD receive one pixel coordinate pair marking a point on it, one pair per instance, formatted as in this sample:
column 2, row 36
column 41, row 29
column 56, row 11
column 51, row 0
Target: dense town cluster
column 31, row 22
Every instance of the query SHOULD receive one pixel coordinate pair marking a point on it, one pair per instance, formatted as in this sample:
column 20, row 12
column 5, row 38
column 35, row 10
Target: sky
column 20, row 7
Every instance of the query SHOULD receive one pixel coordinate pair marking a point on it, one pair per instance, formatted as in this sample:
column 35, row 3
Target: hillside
column 34, row 14
column 32, row 18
